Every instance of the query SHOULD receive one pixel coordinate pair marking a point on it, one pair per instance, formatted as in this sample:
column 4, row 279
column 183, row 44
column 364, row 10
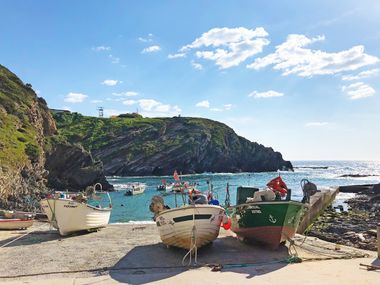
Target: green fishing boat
column 267, row 216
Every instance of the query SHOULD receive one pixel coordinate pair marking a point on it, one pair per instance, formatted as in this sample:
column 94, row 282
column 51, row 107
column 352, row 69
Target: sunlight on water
column 136, row 208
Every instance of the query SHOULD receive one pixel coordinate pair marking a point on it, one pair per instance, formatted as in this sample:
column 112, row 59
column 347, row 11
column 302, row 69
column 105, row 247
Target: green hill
column 157, row 146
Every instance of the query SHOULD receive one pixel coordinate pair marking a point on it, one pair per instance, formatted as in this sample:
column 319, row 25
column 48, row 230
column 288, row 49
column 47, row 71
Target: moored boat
column 266, row 216
column 71, row 212
column 135, row 189
column 188, row 226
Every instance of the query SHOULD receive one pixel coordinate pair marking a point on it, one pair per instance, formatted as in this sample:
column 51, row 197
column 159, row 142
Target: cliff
column 132, row 145
column 27, row 142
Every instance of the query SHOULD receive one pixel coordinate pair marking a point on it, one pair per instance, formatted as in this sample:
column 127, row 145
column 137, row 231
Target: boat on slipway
column 72, row 212
column 190, row 226
column 10, row 220
column 267, row 216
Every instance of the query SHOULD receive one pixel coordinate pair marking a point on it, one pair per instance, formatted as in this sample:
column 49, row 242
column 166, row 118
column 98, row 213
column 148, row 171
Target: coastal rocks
column 158, row 146
column 356, row 228
column 72, row 168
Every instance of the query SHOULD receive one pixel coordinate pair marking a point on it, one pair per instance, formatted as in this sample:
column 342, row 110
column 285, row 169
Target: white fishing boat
column 70, row 212
column 189, row 226
column 10, row 220
column 135, row 189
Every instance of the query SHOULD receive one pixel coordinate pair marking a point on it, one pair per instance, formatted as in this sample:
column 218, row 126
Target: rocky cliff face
column 24, row 123
column 70, row 166
column 158, row 146
column 26, row 131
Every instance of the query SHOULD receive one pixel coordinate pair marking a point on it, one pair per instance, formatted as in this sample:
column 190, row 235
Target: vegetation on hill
column 144, row 146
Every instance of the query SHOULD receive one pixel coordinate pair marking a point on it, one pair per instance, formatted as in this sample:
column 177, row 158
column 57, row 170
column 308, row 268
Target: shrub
column 32, row 151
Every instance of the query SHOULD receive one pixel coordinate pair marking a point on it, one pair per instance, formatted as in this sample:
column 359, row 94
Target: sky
column 299, row 76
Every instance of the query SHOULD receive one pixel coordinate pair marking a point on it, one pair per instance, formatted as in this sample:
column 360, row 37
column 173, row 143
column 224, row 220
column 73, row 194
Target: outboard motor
column 308, row 189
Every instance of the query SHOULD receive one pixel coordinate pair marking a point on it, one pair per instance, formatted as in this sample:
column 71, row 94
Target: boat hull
column 190, row 225
column 69, row 216
column 15, row 224
column 271, row 223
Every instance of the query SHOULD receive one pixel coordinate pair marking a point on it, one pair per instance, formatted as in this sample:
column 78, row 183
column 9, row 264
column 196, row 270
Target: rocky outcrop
column 158, row 146
column 72, row 167
column 26, row 129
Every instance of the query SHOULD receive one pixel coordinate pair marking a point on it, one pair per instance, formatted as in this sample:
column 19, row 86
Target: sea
column 135, row 209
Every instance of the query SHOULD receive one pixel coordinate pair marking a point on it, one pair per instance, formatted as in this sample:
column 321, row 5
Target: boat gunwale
column 108, row 209
column 290, row 202
column 14, row 220
column 196, row 206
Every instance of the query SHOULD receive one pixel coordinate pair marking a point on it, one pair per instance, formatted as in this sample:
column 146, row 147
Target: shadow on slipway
column 149, row 263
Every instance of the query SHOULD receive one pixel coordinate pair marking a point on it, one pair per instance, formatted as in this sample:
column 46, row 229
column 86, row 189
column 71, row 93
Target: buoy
column 226, row 223
column 227, row 226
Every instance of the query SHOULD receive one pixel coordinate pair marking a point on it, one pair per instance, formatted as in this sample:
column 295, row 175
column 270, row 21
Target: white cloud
column 96, row 101
column 266, row 94
column 101, row 48
column 125, row 94
column 291, row 57
column 229, row 47
column 66, row 108
column 146, row 39
column 361, row 75
column 151, row 49
column 129, row 102
column 73, row 97
column 203, row 104
column 176, row 55
column 216, row 109
column 358, row 90
column 148, row 104
column 196, row 65
column 316, row 124
column 114, row 59
column 154, row 108
column 227, row 106
column 111, row 82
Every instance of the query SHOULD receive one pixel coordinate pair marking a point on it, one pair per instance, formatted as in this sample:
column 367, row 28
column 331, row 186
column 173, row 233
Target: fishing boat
column 135, row 189
column 10, row 220
column 72, row 212
column 189, row 226
column 165, row 187
column 267, row 216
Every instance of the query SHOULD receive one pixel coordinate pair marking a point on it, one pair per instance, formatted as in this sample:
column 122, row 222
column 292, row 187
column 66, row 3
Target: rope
column 193, row 245
column 20, row 237
column 53, row 216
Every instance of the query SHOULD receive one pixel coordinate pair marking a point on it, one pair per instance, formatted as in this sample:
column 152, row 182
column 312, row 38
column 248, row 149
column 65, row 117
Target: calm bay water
column 136, row 208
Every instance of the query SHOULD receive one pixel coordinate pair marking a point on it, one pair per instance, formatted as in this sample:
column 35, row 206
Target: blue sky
column 299, row 76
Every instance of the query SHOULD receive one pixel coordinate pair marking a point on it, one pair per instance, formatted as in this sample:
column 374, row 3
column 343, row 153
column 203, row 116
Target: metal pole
column 378, row 241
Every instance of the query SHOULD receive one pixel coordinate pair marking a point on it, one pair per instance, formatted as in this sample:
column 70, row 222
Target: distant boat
column 265, row 216
column 70, row 212
column 166, row 187
column 135, row 189
column 10, row 220
column 189, row 226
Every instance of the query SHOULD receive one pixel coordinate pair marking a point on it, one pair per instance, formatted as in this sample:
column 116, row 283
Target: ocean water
column 133, row 209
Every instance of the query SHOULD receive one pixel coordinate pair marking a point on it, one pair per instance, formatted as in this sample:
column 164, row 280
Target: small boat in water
column 135, row 189
column 165, row 187
column 10, row 220
column 189, row 226
column 72, row 212
column 266, row 216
